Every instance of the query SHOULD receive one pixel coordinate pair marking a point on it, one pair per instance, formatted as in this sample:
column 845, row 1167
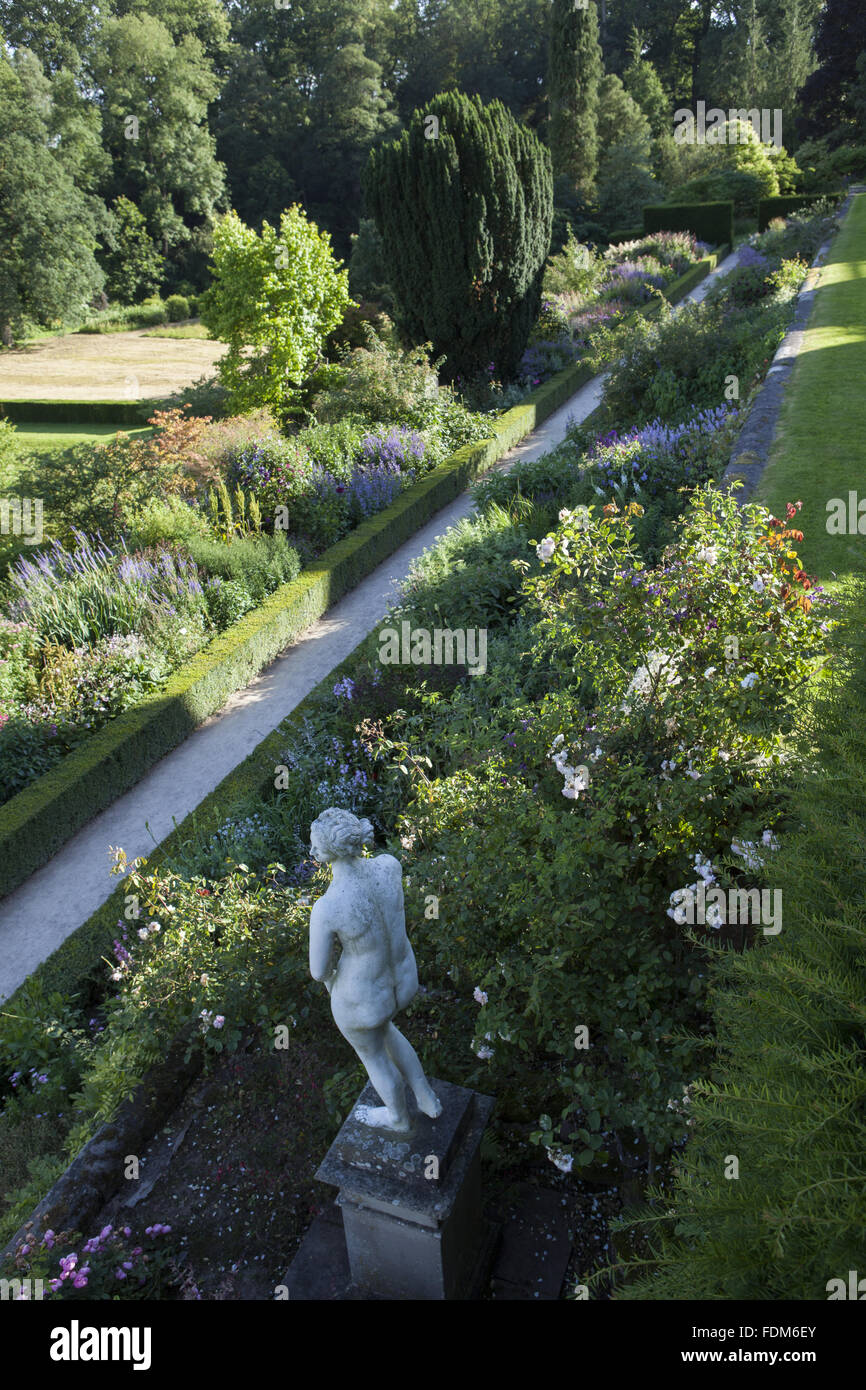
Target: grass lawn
column 38, row 439
column 818, row 452
column 103, row 367
column 179, row 330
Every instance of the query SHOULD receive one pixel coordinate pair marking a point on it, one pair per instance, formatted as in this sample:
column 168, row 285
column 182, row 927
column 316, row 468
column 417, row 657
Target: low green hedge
column 41, row 818
column 80, row 412
column 770, row 208
column 710, row 222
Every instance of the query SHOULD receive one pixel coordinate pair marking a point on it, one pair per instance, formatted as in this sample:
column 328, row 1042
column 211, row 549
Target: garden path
column 39, row 915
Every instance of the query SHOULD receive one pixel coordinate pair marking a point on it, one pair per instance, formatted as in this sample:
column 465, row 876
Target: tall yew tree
column 574, row 72
column 464, row 205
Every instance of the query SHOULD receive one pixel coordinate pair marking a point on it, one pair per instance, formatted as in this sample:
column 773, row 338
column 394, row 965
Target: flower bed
column 628, row 736
column 589, row 291
column 36, row 821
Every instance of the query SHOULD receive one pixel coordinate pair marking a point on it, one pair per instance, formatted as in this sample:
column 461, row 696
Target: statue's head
column 338, row 835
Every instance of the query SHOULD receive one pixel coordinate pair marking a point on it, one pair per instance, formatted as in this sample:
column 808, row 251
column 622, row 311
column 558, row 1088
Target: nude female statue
column 375, row 974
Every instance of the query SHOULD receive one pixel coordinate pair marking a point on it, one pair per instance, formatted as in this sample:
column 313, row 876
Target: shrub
column 745, row 189
column 168, row 520
column 280, row 293
column 469, row 578
column 151, row 312
column 177, row 308
column 259, row 564
column 669, row 366
column 556, row 865
column 101, row 488
column 465, row 222
column 574, row 269
column 787, row 1090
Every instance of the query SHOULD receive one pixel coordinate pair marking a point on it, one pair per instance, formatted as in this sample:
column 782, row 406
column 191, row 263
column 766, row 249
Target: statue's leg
column 369, row 1043
column 406, row 1058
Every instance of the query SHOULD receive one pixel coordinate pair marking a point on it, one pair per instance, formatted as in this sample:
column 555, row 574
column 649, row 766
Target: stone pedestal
column 411, row 1203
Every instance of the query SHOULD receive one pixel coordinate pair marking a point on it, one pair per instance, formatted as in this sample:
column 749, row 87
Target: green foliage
column 670, row 365
column 279, row 293
column 712, row 222
column 258, row 564
column 465, row 220
column 368, row 274
column 469, row 578
column 744, row 188
column 573, row 270
column 147, row 69
column 574, row 76
column 786, row 1095
column 48, row 225
column 771, row 208
column 642, row 82
column 99, row 488
column 132, row 263
column 177, row 308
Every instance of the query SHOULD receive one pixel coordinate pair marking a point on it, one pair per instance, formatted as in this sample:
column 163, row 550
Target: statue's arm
column 323, row 939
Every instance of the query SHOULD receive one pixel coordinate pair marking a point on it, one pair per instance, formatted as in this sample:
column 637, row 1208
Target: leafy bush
column 169, row 520
column 743, row 188
column 259, row 564
column 573, row 270
column 469, row 578
column 177, row 308
column 102, row 488
column 150, row 312
column 279, row 293
column 669, row 366
column 555, row 865
column 787, row 1090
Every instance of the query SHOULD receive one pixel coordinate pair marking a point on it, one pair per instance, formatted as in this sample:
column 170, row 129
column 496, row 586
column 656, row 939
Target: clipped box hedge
column 38, row 821
column 710, row 222
column 80, row 412
column 770, row 208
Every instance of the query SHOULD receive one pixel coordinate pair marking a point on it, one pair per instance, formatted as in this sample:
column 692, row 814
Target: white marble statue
column 374, row 975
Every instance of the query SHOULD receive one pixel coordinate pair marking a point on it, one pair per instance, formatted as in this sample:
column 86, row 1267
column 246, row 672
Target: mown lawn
column 818, row 453
column 39, row 439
